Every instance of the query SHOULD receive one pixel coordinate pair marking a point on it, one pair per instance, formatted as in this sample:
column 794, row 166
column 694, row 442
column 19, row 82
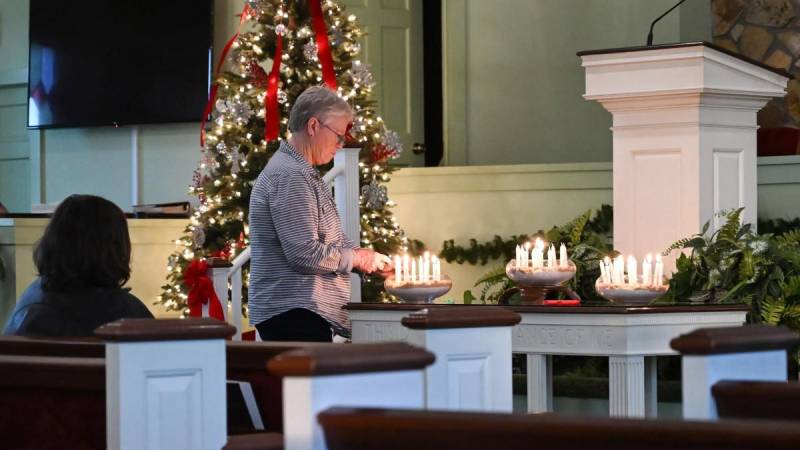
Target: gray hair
column 319, row 102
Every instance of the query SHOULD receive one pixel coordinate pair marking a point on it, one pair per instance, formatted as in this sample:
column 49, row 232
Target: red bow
column 201, row 290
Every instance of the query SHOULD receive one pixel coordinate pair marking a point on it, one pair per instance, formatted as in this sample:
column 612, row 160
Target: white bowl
column 546, row 276
column 639, row 295
column 418, row 292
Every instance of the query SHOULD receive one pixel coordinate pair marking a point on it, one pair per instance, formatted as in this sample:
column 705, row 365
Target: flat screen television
column 101, row 63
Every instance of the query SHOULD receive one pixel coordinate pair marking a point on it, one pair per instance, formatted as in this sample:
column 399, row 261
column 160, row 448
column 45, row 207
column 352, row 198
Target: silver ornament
column 221, row 147
column 236, row 158
column 280, row 29
column 310, row 51
column 392, row 141
column 240, row 111
column 282, row 97
column 198, row 237
column 375, row 196
column 361, row 75
column 221, row 105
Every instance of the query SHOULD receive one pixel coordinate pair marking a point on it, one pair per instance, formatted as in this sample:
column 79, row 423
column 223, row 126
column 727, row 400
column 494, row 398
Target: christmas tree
column 315, row 43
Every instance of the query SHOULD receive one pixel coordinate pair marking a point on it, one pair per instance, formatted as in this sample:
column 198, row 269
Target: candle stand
column 536, row 285
column 418, row 292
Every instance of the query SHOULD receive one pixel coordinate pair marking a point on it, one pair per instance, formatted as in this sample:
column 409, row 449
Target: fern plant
column 736, row 265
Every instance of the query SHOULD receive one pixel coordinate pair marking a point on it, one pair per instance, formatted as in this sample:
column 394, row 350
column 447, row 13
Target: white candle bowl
column 627, row 294
column 540, row 276
column 418, row 292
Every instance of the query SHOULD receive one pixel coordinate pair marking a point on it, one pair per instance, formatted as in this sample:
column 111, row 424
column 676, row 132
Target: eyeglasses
column 340, row 138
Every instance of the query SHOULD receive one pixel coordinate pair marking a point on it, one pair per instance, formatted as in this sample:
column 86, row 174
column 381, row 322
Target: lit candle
column 659, row 274
column 427, row 269
column 437, row 269
column 419, row 270
column 406, row 269
column 538, row 254
column 398, row 269
column 563, row 257
column 619, row 270
column 518, row 257
column 632, row 271
column 413, row 271
column 525, row 254
column 602, row 271
column 647, row 271
column 607, row 266
column 551, row 256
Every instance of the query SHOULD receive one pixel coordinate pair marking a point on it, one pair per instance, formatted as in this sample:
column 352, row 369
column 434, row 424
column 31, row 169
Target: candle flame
column 539, row 244
column 658, row 257
column 527, row 246
column 649, row 257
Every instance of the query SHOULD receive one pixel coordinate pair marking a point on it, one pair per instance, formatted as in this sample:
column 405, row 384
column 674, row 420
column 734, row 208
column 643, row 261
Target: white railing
column 343, row 179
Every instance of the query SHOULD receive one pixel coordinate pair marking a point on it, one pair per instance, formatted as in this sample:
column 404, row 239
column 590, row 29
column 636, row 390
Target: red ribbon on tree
column 272, row 118
column 323, row 46
column 213, row 94
column 201, row 290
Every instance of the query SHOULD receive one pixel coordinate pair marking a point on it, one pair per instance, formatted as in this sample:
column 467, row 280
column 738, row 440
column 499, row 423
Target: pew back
column 52, row 402
column 386, row 429
column 768, row 400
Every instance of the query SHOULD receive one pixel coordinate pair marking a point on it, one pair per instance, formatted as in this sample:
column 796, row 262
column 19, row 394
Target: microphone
column 650, row 35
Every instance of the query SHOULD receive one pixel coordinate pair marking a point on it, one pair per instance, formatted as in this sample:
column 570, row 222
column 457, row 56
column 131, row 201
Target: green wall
column 512, row 81
column 514, row 86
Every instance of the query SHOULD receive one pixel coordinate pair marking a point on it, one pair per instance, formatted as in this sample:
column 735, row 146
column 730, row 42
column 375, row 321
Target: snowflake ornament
column 282, row 97
column 375, row 195
column 221, row 105
column 236, row 159
column 310, row 51
column 361, row 74
column 392, row 141
column 198, row 237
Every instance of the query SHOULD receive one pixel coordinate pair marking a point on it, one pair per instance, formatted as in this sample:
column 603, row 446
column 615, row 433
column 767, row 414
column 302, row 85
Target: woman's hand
column 369, row 261
column 364, row 260
column 383, row 265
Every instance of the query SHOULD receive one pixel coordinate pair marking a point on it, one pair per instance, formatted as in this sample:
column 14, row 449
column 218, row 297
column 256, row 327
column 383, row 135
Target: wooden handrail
column 129, row 330
column 353, row 358
column 748, row 338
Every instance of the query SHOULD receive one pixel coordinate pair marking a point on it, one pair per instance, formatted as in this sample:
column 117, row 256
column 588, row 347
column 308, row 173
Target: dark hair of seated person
column 86, row 244
column 83, row 260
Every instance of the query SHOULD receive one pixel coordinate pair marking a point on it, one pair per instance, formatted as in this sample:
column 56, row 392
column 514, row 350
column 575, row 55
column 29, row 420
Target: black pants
column 296, row 325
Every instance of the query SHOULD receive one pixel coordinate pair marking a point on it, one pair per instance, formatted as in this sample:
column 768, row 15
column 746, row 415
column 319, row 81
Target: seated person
column 83, row 260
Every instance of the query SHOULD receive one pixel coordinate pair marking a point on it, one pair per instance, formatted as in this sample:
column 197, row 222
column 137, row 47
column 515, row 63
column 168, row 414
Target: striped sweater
column 300, row 256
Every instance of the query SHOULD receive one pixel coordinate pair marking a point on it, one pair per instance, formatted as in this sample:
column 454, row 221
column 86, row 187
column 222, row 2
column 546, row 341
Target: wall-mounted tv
column 101, row 63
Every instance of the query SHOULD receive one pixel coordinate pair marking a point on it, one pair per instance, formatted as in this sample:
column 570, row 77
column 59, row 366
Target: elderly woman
column 301, row 258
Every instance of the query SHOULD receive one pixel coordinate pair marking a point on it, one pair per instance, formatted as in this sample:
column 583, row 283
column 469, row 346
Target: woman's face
column 328, row 137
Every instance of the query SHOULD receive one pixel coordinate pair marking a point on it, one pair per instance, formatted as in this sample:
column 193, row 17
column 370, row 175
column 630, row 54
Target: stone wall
column 767, row 31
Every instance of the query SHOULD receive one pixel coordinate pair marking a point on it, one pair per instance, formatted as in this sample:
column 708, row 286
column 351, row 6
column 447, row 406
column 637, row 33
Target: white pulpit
column 684, row 136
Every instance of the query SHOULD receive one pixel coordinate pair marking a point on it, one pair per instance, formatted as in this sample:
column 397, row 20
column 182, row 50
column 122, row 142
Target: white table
column 631, row 338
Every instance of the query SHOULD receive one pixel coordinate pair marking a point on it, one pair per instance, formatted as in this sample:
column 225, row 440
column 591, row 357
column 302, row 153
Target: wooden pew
column 246, row 361
column 746, row 353
column 766, row 400
column 52, row 402
column 395, row 429
column 60, row 402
